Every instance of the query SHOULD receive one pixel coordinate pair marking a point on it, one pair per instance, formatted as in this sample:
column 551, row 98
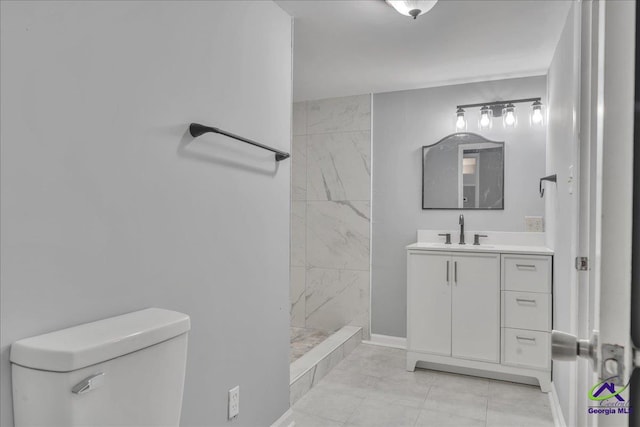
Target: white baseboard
column 387, row 341
column 556, row 410
column 286, row 420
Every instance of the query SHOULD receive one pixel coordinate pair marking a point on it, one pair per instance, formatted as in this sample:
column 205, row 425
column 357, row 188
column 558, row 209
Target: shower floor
column 303, row 340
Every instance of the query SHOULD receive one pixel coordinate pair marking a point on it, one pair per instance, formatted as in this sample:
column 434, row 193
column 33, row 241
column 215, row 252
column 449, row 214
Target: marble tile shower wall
column 330, row 213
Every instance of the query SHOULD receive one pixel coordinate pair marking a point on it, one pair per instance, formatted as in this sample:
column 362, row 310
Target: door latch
column 613, row 363
column 582, row 263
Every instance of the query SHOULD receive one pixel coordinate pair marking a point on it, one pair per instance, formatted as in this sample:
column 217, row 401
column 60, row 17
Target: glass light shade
column 461, row 123
column 485, row 121
column 537, row 115
column 412, row 8
column 509, row 118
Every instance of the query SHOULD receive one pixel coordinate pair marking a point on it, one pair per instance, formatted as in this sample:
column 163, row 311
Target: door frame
column 607, row 108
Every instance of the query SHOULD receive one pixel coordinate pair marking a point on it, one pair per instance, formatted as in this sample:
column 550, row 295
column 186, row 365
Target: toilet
column 122, row 371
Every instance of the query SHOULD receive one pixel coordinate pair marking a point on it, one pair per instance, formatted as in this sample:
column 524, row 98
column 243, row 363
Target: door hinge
column 582, row 263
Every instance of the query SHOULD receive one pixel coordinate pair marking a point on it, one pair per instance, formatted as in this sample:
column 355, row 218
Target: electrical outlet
column 533, row 224
column 234, row 402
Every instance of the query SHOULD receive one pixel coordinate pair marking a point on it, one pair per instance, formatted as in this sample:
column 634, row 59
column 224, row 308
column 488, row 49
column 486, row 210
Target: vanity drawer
column 526, row 310
column 526, row 273
column 526, row 348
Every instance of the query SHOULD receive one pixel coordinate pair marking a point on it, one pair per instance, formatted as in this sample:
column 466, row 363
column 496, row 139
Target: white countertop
column 497, row 248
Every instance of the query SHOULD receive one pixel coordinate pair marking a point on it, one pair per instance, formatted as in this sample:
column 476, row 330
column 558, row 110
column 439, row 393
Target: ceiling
column 349, row 47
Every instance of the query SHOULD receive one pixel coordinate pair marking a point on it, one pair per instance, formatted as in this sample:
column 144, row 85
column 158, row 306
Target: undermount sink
column 454, row 245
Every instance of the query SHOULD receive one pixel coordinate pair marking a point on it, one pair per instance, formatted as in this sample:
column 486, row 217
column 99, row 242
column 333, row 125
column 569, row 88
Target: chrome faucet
column 461, row 222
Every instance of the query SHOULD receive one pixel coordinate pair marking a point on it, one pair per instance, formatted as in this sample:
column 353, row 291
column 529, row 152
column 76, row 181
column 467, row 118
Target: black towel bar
column 196, row 129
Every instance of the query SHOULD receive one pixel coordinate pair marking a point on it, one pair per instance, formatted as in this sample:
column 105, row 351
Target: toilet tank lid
column 84, row 345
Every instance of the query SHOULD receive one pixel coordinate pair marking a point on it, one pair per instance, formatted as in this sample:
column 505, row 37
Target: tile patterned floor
column 303, row 340
column 371, row 388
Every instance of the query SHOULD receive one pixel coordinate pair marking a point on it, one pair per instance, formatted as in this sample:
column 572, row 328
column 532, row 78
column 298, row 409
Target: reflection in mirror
column 463, row 171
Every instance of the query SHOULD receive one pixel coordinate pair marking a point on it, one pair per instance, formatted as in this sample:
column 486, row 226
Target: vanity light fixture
column 461, row 123
column 505, row 109
column 537, row 118
column 413, row 8
column 509, row 118
column 485, row 121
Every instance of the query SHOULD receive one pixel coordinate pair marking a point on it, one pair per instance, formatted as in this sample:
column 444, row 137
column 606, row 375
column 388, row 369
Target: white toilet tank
column 122, row 371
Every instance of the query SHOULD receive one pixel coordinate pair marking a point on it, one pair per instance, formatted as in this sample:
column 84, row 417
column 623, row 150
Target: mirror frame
column 425, row 147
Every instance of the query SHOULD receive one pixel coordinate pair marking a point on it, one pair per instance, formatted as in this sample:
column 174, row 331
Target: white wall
column 402, row 123
column 108, row 206
column 561, row 200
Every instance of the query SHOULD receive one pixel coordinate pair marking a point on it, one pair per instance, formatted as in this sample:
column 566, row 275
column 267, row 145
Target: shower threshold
column 312, row 365
column 304, row 339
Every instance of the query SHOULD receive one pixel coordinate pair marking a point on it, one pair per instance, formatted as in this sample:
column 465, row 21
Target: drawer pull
column 524, row 300
column 519, row 338
column 528, row 267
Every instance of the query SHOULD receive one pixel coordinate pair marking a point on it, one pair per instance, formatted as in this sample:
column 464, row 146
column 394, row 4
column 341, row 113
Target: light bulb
column 461, row 123
column 509, row 116
column 537, row 118
column 485, row 118
column 510, row 119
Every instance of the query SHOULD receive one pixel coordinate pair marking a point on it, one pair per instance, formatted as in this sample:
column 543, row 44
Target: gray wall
column 330, row 211
column 402, row 123
column 109, row 207
column 561, row 203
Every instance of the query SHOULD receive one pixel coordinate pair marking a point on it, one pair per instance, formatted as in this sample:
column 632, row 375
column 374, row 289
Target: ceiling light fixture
column 412, row 8
column 505, row 109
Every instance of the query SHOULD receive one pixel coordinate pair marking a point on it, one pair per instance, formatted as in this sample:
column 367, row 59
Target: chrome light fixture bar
column 505, row 109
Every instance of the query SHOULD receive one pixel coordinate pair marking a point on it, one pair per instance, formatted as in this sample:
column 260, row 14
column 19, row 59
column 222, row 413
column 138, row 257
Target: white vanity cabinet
column 480, row 312
column 454, row 304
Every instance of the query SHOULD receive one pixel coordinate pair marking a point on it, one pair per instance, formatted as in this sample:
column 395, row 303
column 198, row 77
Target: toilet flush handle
column 89, row 383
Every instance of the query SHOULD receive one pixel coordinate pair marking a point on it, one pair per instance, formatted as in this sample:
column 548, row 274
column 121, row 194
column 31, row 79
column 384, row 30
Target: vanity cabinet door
column 475, row 321
column 429, row 303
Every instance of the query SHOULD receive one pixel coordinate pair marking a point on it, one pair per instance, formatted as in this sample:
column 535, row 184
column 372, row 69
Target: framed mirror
column 463, row 171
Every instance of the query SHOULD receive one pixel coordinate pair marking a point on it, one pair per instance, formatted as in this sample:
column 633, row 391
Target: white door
column 429, row 303
column 475, row 305
column 617, row 122
column 607, row 132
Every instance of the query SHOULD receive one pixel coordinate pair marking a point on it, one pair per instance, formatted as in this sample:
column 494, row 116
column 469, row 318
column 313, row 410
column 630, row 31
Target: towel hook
column 550, row 178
